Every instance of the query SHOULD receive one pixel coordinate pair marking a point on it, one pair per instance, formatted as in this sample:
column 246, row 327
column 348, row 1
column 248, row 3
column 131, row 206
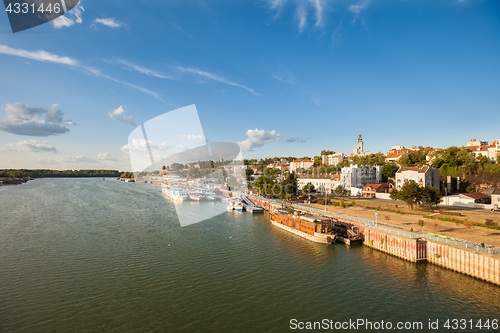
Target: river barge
column 315, row 228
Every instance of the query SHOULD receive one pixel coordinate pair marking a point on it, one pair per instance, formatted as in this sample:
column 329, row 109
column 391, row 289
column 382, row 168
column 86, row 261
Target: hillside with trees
column 46, row 173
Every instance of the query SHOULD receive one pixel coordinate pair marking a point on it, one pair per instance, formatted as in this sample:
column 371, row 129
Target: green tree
column 177, row 166
column 248, row 173
column 394, row 194
column 410, row 193
column 309, row 188
column 263, row 185
column 389, row 171
column 327, row 152
column 470, row 189
column 289, row 185
column 339, row 190
column 431, row 196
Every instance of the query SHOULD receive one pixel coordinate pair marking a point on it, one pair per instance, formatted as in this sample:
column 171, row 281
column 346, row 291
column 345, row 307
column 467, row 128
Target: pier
column 477, row 261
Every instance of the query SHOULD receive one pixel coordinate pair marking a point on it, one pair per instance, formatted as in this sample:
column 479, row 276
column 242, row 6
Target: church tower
column 359, row 146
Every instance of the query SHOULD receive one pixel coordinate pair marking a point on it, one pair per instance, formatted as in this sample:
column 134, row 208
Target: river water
column 86, row 255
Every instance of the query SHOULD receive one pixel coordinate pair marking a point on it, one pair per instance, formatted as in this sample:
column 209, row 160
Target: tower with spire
column 359, row 147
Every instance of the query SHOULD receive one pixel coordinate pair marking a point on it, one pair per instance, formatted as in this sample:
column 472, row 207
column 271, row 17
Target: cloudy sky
column 278, row 77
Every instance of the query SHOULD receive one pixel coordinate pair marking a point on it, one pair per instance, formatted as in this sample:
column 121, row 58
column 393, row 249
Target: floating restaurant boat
column 174, row 193
column 312, row 227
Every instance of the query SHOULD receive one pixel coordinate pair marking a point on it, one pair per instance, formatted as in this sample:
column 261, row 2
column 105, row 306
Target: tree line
column 47, row 173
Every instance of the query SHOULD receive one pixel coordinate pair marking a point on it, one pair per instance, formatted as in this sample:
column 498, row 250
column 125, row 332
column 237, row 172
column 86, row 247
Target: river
column 87, row 255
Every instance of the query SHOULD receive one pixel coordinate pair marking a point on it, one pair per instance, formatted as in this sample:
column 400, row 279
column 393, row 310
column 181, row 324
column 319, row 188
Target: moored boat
column 312, row 227
column 196, row 196
column 174, row 193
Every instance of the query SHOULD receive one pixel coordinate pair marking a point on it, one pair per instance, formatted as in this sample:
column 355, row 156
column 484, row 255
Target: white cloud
column 109, row 22
column 198, row 139
column 157, row 149
column 38, row 55
column 24, row 120
column 119, row 115
column 215, row 77
column 257, row 138
column 31, row 146
column 106, row 157
column 72, row 17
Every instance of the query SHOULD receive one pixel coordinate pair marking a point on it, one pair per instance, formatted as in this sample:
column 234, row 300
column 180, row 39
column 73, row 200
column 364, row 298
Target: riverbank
column 367, row 209
column 475, row 259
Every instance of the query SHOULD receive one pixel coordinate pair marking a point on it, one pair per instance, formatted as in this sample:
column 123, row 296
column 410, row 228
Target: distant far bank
column 47, row 173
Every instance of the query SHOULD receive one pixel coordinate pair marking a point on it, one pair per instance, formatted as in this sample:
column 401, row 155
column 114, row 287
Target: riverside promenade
column 468, row 258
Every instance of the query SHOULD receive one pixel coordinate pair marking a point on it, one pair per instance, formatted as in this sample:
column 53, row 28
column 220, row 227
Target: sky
column 276, row 77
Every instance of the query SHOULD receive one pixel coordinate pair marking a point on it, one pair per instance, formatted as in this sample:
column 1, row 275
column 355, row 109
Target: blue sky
column 280, row 77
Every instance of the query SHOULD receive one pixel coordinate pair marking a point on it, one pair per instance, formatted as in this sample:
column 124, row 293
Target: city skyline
column 281, row 78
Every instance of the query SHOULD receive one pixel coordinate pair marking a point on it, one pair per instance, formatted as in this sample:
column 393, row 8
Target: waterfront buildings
column 321, row 183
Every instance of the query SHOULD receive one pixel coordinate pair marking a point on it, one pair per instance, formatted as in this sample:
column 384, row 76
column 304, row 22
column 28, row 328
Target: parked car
column 495, row 209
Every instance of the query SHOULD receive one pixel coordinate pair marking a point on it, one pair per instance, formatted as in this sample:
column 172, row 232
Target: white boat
column 196, row 196
column 230, row 205
column 238, row 205
column 210, row 196
column 174, row 193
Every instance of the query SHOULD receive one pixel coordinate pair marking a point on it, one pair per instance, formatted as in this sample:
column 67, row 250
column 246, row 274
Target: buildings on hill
column 371, row 190
column 321, row 183
column 300, row 164
column 424, row 176
column 332, row 159
column 354, row 177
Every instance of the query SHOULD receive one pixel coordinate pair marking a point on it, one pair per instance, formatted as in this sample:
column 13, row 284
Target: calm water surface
column 87, row 255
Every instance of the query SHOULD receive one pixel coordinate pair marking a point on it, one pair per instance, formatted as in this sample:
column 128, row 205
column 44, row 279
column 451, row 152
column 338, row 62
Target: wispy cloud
column 216, row 78
column 141, row 69
column 279, row 78
column 319, row 7
column 44, row 56
column 119, row 115
column 358, row 8
column 109, row 22
column 38, row 55
column 25, row 120
column 72, row 17
column 257, row 138
column 303, row 9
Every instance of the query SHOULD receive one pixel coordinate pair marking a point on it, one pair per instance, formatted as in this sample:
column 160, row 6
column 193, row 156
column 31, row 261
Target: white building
column 357, row 176
column 424, row 176
column 332, row 159
column 495, row 198
column 321, row 183
column 300, row 164
column 475, row 143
